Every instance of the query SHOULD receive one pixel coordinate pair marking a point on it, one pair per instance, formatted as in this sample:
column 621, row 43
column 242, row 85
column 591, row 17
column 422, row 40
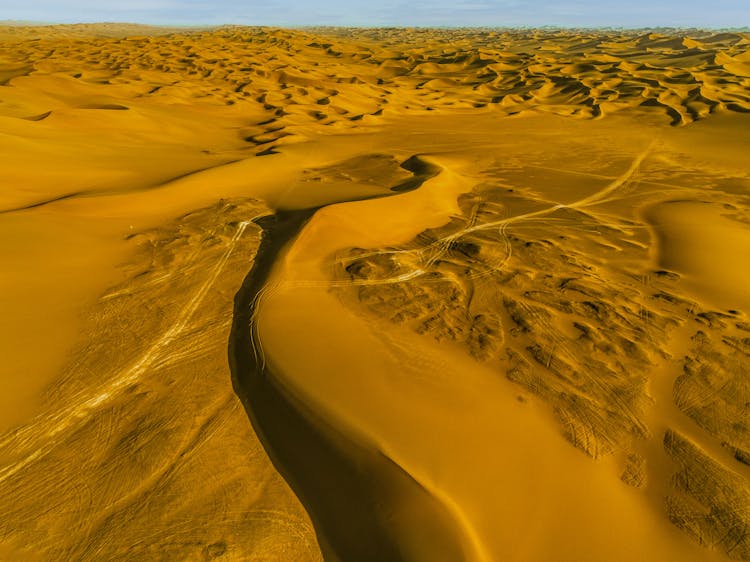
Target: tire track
column 47, row 427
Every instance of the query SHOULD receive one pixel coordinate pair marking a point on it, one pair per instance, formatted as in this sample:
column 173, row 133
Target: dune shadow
column 364, row 507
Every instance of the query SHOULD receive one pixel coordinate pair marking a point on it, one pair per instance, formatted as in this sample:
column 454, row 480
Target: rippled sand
column 374, row 294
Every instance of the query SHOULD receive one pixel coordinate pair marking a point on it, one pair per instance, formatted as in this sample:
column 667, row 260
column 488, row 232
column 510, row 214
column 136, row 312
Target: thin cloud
column 636, row 13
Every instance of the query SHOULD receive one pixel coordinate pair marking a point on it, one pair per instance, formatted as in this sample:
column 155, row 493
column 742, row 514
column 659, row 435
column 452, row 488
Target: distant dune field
column 374, row 294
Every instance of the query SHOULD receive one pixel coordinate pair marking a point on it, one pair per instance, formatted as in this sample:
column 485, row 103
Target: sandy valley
column 374, row 294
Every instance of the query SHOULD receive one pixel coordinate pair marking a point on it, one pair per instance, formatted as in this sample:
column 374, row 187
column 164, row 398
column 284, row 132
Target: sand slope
column 511, row 321
column 556, row 290
column 141, row 450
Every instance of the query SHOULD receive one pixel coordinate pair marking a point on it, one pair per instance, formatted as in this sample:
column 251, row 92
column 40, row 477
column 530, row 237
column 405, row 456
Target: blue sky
column 625, row 13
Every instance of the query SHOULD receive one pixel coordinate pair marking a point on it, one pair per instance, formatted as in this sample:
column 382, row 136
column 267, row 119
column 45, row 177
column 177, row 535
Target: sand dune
column 120, row 461
column 374, row 294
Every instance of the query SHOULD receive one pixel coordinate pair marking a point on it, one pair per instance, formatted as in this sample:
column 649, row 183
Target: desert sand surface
column 374, row 294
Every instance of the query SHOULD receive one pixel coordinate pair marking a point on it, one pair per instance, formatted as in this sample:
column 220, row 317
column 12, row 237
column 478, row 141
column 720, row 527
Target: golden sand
column 374, row 295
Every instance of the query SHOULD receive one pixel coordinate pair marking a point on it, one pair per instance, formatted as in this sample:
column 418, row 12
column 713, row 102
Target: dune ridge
column 341, row 481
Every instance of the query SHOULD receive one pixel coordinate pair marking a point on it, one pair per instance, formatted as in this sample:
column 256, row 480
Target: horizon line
column 34, row 23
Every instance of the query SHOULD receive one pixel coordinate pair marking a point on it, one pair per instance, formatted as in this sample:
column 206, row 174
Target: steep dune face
column 490, row 297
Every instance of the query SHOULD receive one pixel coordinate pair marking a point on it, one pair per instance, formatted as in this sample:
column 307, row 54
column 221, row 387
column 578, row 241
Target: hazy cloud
column 634, row 13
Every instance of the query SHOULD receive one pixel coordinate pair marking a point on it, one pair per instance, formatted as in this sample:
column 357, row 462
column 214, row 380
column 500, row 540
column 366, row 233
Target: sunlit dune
column 374, row 294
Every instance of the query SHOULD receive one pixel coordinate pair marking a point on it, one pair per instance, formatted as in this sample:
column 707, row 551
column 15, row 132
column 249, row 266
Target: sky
column 484, row 13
